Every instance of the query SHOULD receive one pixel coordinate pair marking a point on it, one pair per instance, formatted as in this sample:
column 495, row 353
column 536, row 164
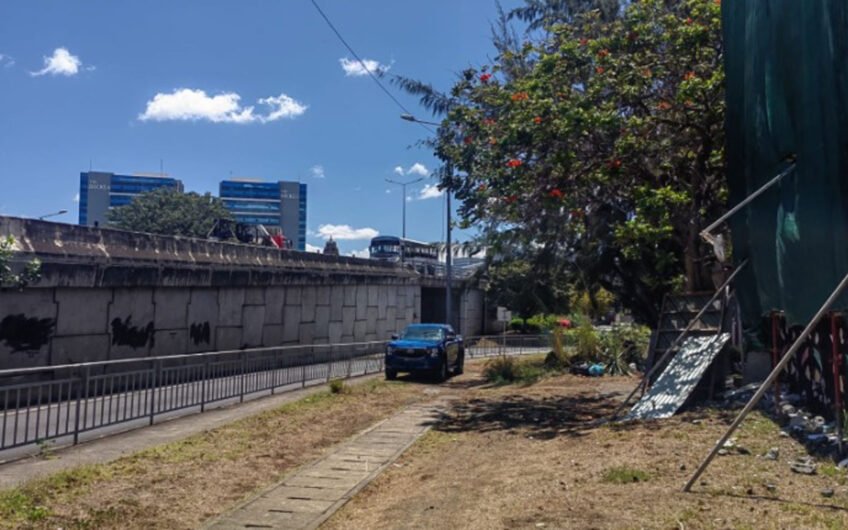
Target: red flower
column 537, row 120
column 599, row 69
column 603, row 53
column 663, row 105
column 520, row 96
column 688, row 76
column 481, row 187
column 514, row 163
column 488, row 121
column 511, row 199
column 485, row 78
column 468, row 139
column 584, row 41
column 689, row 21
column 614, row 164
column 555, row 194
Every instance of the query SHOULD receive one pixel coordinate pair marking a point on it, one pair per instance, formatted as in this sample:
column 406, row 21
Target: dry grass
column 523, row 457
column 182, row 484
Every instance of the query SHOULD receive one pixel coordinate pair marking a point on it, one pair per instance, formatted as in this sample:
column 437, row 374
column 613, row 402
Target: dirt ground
column 183, row 484
column 522, row 457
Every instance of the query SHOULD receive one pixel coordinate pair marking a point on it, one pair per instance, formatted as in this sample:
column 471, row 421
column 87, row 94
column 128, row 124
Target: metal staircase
column 677, row 312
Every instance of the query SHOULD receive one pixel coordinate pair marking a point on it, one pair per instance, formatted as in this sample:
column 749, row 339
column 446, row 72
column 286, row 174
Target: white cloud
column 430, row 191
column 354, row 68
column 6, row 61
column 313, row 248
column 185, row 104
column 409, row 198
column 342, row 232
column 418, row 169
column 317, row 171
column 388, row 191
column 62, row 62
column 415, row 169
column 363, row 253
column 76, row 197
column 282, row 106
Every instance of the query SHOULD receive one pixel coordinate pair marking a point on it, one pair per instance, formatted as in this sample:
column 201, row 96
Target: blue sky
column 79, row 84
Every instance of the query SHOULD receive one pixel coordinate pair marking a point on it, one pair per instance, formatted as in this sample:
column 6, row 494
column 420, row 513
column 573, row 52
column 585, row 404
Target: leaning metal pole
column 671, row 348
column 764, row 386
column 448, row 252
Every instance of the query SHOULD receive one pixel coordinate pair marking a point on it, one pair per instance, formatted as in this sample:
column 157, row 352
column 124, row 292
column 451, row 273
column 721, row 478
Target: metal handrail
column 35, row 369
column 63, row 401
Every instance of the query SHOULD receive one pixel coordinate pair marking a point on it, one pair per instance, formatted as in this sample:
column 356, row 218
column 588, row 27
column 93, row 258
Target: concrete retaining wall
column 110, row 294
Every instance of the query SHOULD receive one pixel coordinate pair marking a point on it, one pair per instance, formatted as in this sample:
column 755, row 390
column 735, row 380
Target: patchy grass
column 183, row 483
column 529, row 457
column 624, row 475
column 512, row 370
column 338, row 386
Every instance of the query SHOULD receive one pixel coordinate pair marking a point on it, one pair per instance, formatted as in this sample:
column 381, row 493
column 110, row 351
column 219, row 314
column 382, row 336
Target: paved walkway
column 112, row 447
column 310, row 495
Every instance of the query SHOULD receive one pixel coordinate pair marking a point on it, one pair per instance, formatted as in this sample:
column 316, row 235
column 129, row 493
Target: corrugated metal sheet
column 678, row 380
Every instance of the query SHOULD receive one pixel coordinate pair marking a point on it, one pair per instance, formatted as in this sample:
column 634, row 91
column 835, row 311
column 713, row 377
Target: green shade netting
column 787, row 94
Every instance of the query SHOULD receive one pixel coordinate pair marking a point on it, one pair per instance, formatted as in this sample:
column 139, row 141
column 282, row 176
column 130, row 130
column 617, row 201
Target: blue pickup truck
column 434, row 349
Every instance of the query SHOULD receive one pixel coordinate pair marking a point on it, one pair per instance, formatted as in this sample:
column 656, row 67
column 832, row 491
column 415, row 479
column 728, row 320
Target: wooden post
column 775, row 355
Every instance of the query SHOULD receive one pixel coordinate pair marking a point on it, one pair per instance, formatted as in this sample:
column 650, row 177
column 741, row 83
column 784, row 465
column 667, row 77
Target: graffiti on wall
column 125, row 334
column 22, row 333
column 200, row 332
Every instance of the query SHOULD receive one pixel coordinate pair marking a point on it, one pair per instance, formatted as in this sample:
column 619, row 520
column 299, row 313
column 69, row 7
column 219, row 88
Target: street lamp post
column 448, row 246
column 403, row 186
column 54, row 214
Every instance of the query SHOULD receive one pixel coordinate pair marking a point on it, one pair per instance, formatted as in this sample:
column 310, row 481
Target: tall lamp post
column 54, row 214
column 448, row 247
column 403, row 186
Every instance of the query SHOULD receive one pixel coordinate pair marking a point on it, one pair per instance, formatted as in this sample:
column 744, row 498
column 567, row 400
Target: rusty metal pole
column 769, row 380
column 775, row 356
column 836, row 356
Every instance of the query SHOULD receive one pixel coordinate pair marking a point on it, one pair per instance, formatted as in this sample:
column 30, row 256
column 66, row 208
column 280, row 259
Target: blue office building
column 99, row 192
column 278, row 206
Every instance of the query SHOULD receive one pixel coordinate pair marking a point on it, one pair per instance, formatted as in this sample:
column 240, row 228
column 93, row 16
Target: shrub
column 587, row 341
column 506, row 370
column 338, row 386
column 622, row 345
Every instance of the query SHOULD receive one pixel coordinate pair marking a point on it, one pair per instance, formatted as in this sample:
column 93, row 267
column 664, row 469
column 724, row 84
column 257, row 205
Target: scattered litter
column 771, row 487
column 784, row 434
column 803, row 465
column 729, row 444
column 843, row 464
column 697, row 422
column 772, row 454
column 722, row 452
column 827, row 492
column 743, row 450
column 682, row 467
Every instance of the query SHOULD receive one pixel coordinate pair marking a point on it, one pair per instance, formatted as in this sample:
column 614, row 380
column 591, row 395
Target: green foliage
column 594, row 304
column 170, row 212
column 587, row 342
column 338, row 386
column 622, row 345
column 592, row 152
column 509, row 370
column 624, row 475
column 30, row 272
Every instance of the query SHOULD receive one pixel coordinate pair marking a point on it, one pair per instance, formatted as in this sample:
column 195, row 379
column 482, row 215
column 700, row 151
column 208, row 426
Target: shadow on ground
column 541, row 417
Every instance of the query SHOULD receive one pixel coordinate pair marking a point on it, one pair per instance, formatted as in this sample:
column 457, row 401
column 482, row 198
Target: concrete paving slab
column 310, row 495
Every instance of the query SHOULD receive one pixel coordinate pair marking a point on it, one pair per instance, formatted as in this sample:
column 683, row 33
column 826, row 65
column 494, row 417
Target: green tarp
column 787, row 98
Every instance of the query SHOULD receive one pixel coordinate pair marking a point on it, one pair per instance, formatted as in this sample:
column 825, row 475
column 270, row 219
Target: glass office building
column 100, row 192
column 278, row 206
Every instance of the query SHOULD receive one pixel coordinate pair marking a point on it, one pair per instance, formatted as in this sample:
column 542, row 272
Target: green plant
column 508, row 370
column 8, row 276
column 622, row 345
column 338, row 386
column 624, row 475
column 587, row 341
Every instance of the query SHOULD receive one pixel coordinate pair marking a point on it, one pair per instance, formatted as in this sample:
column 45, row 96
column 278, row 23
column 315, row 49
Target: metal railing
column 65, row 401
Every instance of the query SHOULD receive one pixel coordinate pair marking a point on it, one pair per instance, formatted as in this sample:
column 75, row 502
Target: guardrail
column 65, row 401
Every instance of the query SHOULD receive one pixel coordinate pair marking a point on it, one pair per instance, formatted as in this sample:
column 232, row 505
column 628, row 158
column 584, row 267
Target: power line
column 364, row 66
